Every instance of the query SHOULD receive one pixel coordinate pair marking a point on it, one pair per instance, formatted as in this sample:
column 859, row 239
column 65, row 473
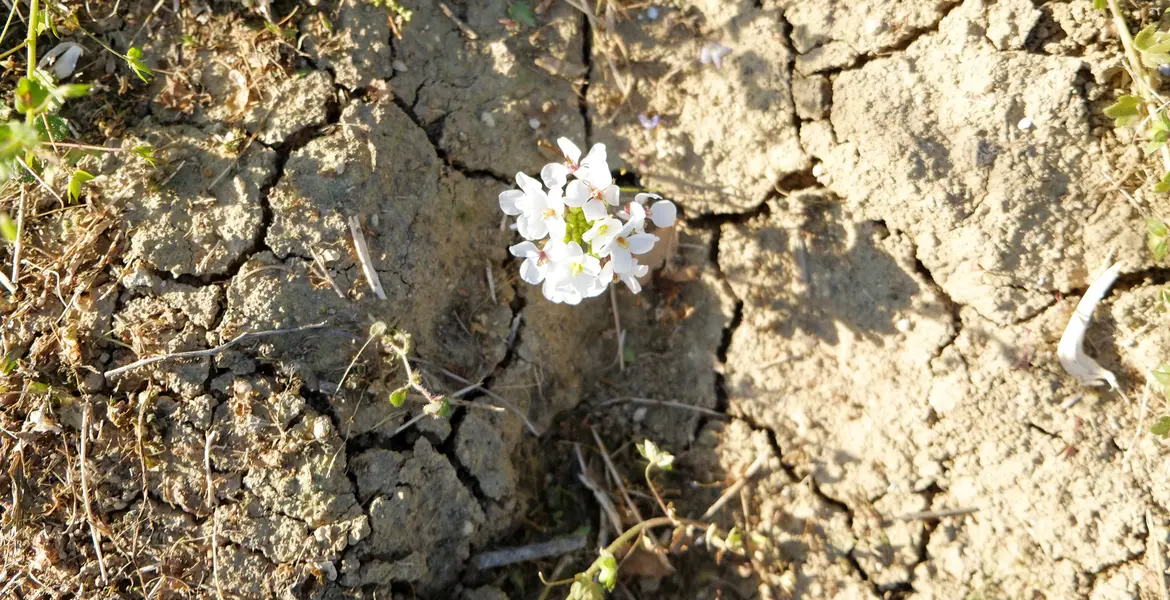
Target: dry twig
column 468, row 32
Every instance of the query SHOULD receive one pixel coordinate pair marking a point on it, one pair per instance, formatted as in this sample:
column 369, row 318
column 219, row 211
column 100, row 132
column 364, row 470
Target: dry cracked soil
column 889, row 211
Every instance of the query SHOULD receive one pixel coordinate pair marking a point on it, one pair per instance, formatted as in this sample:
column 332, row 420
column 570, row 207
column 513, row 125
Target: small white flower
column 574, row 272
column 625, row 245
column 631, row 279
column 579, row 195
column 536, row 261
column 540, row 213
column 662, row 212
column 593, row 169
column 602, row 233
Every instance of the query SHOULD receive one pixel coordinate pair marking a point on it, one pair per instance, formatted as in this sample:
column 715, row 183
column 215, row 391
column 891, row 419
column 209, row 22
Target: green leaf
column 1164, row 298
column 521, row 12
column 9, row 363
column 78, row 179
column 51, row 127
column 586, row 590
column 1155, row 226
column 398, row 397
column 1126, row 111
column 32, row 96
column 7, row 228
column 1100, row 4
column 73, row 90
column 145, row 152
column 734, row 539
column 134, row 59
column 609, row 568
column 1161, row 428
column 1162, row 375
column 1158, row 247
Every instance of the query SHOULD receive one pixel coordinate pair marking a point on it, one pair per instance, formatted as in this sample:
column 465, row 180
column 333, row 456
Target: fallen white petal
column 1071, row 351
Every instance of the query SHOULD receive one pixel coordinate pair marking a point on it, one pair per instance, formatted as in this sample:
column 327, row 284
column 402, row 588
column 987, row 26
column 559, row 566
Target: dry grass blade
column 94, row 535
column 730, row 492
column 363, row 252
column 668, row 403
column 609, row 466
column 243, row 337
column 598, row 493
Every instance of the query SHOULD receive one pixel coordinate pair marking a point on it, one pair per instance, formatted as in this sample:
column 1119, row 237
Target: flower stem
column 33, row 10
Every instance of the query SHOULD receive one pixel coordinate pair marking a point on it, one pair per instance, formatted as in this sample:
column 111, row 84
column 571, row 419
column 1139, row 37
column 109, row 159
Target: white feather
column 1071, row 351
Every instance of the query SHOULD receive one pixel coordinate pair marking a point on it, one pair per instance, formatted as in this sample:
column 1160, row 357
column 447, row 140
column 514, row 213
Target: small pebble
column 534, row 123
column 874, row 26
column 1025, row 123
column 399, row 66
column 903, row 325
column 321, row 428
column 818, row 170
column 1164, row 70
column 652, row 13
column 640, row 414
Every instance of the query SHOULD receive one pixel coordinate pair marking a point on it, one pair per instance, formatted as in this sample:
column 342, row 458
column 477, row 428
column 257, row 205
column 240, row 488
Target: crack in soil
column 886, row 51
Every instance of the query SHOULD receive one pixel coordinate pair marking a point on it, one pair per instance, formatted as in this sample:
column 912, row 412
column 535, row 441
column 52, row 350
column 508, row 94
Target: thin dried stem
column 94, row 535
column 730, row 492
column 609, row 466
column 243, row 337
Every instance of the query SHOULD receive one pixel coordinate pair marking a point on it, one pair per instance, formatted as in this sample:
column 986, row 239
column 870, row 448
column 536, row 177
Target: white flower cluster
column 593, row 240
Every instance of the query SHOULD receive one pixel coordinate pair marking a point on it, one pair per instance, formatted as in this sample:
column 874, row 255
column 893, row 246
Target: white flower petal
column 571, row 151
column 531, row 227
column 554, row 175
column 645, row 197
column 531, row 272
column 530, row 186
column 597, row 176
column 576, row 194
column 524, row 250
column 641, row 243
column 611, row 195
column 596, row 158
column 555, row 200
column 632, row 283
column 509, row 201
column 591, row 265
column 556, row 228
column 594, row 209
column 663, row 213
column 621, row 260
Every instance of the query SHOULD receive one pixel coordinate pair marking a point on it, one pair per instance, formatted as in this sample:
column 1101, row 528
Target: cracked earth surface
column 875, row 267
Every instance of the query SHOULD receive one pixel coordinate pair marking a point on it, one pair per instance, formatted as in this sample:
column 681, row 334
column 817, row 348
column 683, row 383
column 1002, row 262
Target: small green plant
column 1148, row 50
column 395, row 7
column 1158, row 238
column 601, row 576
